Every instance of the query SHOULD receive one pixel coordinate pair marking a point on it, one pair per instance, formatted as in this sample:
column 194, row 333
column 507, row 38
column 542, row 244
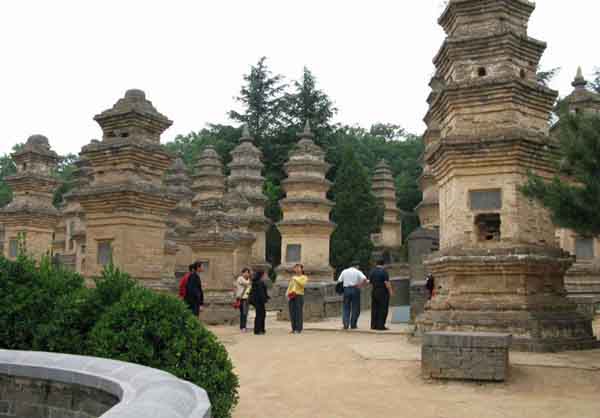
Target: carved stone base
column 514, row 290
column 582, row 283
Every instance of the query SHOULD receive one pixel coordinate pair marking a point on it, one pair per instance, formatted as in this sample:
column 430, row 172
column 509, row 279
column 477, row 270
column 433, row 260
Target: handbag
column 237, row 303
column 291, row 295
column 339, row 288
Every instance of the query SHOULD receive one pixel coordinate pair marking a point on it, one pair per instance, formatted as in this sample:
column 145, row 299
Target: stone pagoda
column 306, row 228
column 179, row 219
column 245, row 178
column 583, row 278
column 126, row 204
column 389, row 240
column 30, row 219
column 218, row 238
column 498, row 268
column 73, row 243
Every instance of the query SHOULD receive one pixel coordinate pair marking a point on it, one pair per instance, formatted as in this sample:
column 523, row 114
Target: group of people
column 250, row 289
column 353, row 280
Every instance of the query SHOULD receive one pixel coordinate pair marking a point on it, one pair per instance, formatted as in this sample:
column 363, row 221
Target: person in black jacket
column 194, row 296
column 259, row 298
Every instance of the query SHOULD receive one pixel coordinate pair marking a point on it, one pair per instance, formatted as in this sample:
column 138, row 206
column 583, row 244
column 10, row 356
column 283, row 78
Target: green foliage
column 158, row 331
column 66, row 168
column 545, row 77
column 356, row 214
column 27, row 294
column 595, row 84
column 261, row 98
column 48, row 308
column 7, row 168
column 574, row 201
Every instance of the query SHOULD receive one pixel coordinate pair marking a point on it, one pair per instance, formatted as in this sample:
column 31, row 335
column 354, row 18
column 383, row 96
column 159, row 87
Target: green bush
column 48, row 308
column 28, row 296
column 159, row 331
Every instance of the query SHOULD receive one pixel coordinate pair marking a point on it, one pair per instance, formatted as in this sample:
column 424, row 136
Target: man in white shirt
column 353, row 280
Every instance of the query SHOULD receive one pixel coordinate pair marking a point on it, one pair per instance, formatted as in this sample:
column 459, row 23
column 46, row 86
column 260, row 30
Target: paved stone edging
column 142, row 391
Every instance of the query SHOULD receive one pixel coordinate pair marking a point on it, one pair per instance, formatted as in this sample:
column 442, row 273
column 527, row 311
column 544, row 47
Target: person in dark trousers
column 380, row 297
column 259, row 298
column 295, row 295
column 194, row 296
column 353, row 280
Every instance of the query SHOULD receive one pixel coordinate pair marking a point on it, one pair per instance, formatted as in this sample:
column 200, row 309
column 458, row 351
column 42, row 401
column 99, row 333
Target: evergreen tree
column 595, row 84
column 261, row 98
column 356, row 214
column 307, row 103
column 573, row 196
column 7, row 168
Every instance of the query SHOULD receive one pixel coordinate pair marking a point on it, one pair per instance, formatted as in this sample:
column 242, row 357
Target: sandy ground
column 349, row 374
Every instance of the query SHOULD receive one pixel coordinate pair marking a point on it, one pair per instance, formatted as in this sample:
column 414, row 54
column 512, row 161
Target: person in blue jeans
column 353, row 280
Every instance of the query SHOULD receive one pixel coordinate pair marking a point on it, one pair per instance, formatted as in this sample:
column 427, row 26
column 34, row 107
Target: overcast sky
column 64, row 61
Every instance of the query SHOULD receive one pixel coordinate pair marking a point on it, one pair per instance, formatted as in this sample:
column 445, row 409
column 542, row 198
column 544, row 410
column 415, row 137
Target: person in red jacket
column 184, row 280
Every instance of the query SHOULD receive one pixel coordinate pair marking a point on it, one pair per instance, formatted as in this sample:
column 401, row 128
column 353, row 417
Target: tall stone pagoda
column 126, row 204
column 218, row 238
column 498, row 268
column 245, row 177
column 305, row 227
column 30, row 219
column 389, row 240
column 583, row 278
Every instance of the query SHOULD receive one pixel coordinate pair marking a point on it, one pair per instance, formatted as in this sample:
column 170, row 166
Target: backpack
column 183, row 285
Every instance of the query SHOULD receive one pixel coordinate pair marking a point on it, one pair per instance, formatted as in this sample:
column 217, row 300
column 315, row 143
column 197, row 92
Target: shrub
column 75, row 314
column 159, row 331
column 28, row 296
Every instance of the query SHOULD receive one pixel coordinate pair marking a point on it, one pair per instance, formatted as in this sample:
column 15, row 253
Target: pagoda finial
column 307, row 133
column 246, row 137
column 580, row 81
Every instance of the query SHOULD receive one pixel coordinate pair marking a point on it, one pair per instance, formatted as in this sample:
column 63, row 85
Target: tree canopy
column 573, row 195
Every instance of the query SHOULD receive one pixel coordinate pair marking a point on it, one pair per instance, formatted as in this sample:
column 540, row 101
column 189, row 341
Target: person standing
column 353, row 280
column 259, row 298
column 194, row 296
column 380, row 297
column 295, row 295
column 243, row 284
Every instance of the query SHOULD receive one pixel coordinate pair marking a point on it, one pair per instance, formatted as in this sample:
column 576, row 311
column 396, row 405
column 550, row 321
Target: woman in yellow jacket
column 295, row 294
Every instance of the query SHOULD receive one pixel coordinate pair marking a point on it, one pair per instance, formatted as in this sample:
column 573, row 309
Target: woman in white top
column 243, row 285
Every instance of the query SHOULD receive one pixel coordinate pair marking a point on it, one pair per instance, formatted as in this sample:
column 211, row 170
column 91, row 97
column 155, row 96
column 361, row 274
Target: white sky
column 63, row 61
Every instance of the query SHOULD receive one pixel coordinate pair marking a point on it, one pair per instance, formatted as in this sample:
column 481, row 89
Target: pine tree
column 307, row 103
column 261, row 98
column 7, row 168
column 356, row 214
column 573, row 196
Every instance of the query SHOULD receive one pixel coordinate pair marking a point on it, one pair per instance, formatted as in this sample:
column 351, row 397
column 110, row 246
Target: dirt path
column 350, row 375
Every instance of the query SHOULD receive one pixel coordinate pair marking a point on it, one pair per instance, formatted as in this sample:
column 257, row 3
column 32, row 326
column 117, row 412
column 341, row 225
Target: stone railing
column 36, row 384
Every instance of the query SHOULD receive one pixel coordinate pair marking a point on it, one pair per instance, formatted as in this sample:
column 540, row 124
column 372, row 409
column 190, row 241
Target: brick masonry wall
column 32, row 398
column 465, row 356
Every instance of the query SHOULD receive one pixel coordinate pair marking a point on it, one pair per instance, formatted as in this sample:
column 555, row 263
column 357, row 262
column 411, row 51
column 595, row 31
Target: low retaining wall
column 52, row 385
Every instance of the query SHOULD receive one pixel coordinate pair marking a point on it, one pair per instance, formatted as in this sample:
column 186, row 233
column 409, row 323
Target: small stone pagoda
column 306, row 228
column 126, row 203
column 389, row 239
column 245, row 177
column 498, row 268
column 583, row 278
column 30, row 219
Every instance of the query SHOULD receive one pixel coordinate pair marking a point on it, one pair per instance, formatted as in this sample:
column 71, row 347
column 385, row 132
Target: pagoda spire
column 579, row 82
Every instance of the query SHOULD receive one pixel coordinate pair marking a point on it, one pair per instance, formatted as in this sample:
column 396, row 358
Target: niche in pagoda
column 498, row 268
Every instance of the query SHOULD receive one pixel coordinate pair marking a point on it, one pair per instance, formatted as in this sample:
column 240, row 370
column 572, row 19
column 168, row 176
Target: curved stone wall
column 52, row 385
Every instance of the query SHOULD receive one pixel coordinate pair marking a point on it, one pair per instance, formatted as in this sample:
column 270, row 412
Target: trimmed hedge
column 47, row 308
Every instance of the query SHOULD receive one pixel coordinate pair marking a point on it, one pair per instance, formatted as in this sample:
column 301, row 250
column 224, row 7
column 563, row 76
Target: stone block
column 465, row 356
